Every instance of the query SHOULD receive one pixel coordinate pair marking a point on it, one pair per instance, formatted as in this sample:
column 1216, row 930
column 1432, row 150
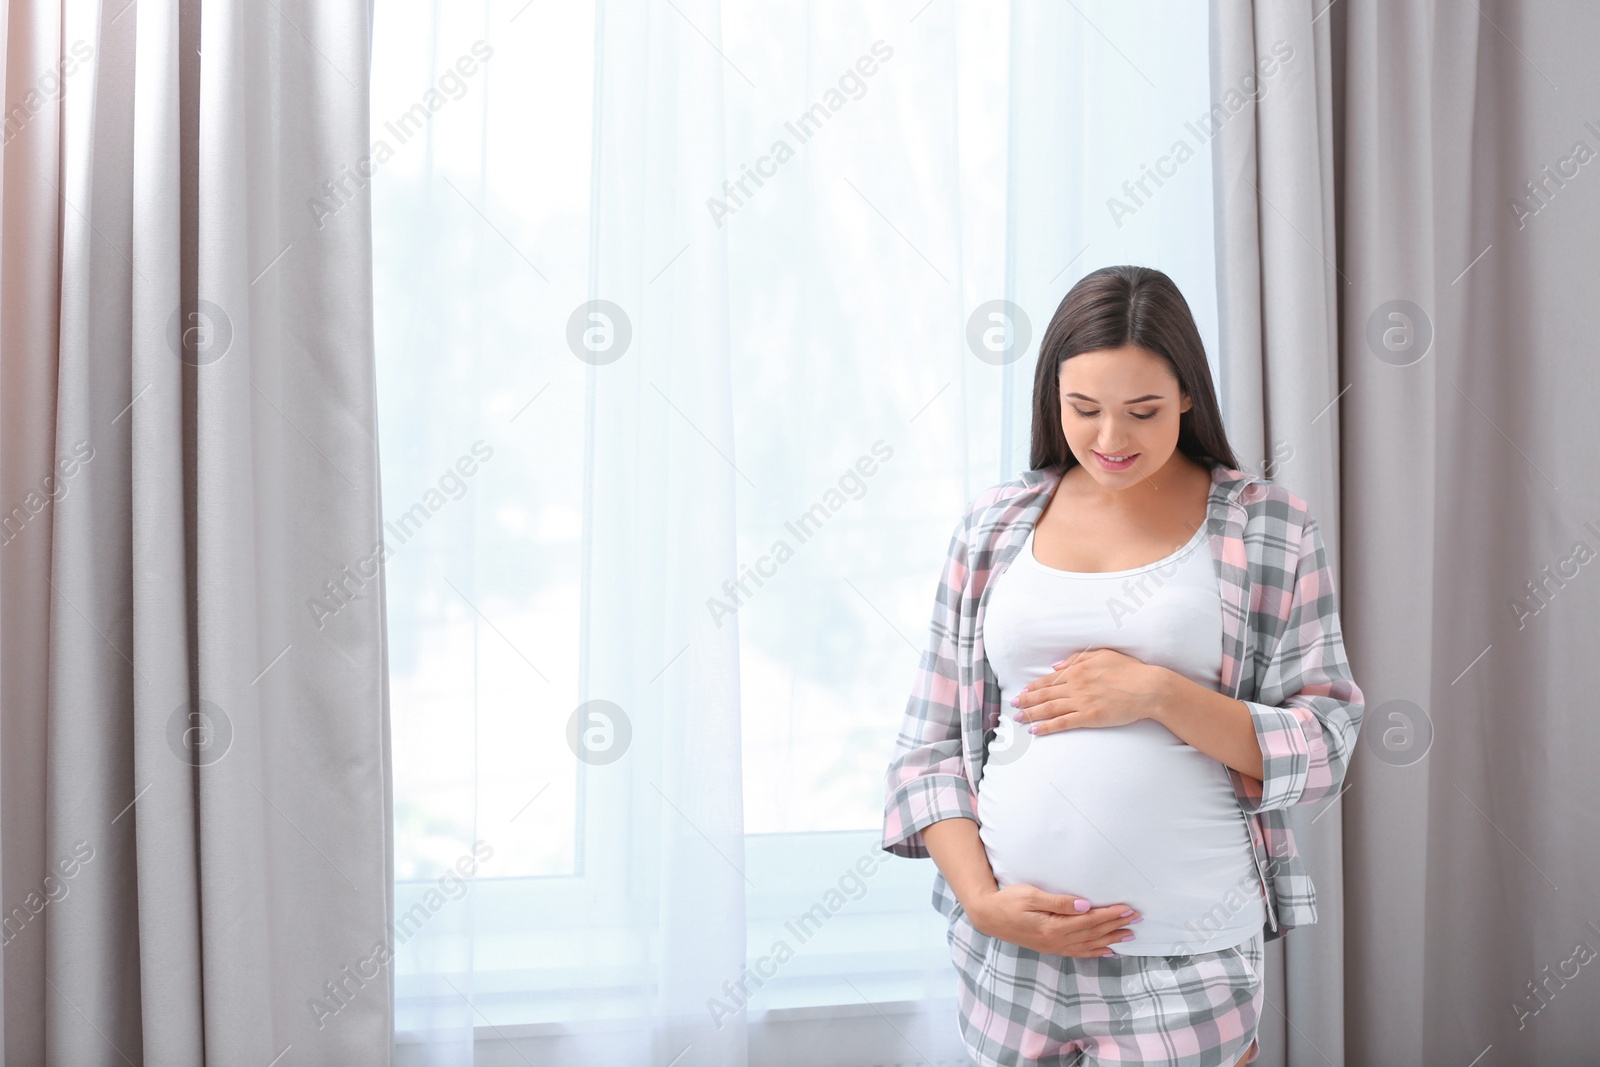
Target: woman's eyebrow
column 1135, row 400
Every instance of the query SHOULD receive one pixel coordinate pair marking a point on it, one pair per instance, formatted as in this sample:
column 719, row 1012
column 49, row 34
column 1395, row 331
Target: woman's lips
column 1113, row 466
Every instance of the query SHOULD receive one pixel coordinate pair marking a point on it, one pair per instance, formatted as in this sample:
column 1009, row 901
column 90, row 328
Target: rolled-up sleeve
column 927, row 779
column 1308, row 707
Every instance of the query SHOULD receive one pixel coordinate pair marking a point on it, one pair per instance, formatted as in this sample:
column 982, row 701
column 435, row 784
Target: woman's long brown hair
column 1110, row 308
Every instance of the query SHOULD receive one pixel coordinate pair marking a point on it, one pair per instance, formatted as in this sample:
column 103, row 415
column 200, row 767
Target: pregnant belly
column 1132, row 815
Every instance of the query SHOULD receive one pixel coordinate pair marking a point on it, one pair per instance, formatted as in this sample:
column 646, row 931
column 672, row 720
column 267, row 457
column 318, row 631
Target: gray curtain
column 194, row 795
column 1405, row 325
column 1278, row 293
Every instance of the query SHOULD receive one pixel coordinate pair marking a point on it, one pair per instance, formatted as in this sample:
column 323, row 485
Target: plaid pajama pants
column 1021, row 1008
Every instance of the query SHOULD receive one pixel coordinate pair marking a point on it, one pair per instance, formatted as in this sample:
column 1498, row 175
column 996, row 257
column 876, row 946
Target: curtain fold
column 195, row 792
column 1278, row 296
column 30, row 287
column 660, row 485
column 1406, row 88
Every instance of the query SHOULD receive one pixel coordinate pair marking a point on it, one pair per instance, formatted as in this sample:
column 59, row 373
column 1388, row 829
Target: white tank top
column 1127, row 814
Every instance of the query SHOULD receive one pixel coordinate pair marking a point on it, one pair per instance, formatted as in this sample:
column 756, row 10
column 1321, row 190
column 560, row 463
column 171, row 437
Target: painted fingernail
column 1017, row 717
column 1127, row 937
column 1081, row 905
column 1108, row 953
column 1126, row 912
column 1014, row 702
column 1140, row 919
column 1034, row 728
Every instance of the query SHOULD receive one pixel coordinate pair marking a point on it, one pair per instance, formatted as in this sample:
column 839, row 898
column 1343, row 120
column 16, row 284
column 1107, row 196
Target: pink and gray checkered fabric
column 1018, row 1006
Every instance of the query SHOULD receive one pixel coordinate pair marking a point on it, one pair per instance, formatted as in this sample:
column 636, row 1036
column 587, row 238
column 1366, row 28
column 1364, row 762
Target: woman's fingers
column 1062, row 903
column 1056, row 679
column 1062, row 929
column 1032, row 709
column 1113, row 928
column 1101, row 945
column 1107, row 925
column 1066, row 720
column 1089, row 933
column 1074, row 906
column 1048, row 711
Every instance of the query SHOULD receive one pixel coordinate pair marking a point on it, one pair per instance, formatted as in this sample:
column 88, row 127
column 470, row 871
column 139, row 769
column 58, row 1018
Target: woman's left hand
column 1098, row 688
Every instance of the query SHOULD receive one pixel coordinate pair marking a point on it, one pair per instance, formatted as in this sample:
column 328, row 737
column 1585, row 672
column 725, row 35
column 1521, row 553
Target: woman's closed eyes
column 1092, row 414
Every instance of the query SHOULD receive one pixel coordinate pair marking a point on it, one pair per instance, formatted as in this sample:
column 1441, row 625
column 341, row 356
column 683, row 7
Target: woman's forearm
column 1212, row 722
column 959, row 854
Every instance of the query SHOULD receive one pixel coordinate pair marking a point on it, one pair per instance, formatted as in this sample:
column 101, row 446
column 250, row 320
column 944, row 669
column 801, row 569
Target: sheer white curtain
column 687, row 358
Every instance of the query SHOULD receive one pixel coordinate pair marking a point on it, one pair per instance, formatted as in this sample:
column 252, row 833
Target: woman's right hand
column 1050, row 922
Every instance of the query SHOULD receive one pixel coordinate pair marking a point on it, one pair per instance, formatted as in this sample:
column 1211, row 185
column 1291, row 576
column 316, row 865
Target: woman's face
column 1119, row 411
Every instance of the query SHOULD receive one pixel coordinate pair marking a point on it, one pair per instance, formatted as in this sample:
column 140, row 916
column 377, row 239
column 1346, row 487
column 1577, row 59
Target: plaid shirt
column 1282, row 653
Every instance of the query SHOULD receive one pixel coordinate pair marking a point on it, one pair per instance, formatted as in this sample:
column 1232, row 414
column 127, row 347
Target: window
column 933, row 165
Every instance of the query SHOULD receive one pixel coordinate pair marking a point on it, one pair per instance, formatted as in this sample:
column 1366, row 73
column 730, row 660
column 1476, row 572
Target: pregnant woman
column 1160, row 629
